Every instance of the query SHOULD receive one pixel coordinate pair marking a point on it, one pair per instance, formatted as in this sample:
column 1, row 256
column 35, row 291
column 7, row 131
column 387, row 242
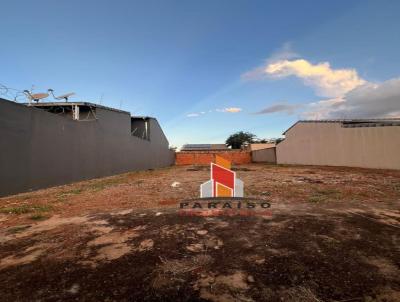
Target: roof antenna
column 60, row 97
column 35, row 97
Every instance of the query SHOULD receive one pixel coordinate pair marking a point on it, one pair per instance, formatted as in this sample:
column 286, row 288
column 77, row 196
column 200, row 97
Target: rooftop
column 353, row 123
column 62, row 104
column 199, row 147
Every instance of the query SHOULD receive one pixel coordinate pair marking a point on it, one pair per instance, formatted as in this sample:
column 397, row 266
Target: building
column 48, row 144
column 265, row 155
column 260, row 146
column 203, row 154
column 262, row 152
column 367, row 143
column 204, row 147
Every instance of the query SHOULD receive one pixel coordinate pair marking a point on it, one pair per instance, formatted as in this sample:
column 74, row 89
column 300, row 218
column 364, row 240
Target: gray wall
column 267, row 155
column 41, row 149
column 330, row 144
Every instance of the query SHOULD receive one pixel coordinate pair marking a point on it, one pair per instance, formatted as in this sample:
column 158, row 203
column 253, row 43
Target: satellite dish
column 60, row 97
column 36, row 96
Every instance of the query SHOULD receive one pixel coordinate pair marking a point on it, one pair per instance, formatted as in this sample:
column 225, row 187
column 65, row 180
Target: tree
column 237, row 139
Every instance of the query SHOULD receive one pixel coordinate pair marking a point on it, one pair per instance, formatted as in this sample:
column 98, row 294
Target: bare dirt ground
column 334, row 235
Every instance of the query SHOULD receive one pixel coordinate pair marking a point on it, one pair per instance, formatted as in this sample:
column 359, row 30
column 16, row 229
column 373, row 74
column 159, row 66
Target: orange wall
column 205, row 157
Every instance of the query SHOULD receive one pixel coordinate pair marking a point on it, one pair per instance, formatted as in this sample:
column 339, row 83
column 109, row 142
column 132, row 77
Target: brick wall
column 205, row 157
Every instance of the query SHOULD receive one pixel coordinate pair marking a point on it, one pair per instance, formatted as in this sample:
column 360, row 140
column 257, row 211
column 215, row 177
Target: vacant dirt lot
column 334, row 235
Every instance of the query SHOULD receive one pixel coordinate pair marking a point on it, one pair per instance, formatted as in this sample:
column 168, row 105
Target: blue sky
column 204, row 68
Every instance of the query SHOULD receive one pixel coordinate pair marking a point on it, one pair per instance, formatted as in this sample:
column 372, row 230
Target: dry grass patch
column 321, row 195
column 24, row 209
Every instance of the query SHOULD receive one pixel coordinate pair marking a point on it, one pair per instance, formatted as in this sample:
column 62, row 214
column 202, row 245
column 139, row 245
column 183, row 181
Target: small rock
column 175, row 184
column 158, row 213
column 195, row 247
column 250, row 278
column 74, row 289
column 202, row 232
column 146, row 245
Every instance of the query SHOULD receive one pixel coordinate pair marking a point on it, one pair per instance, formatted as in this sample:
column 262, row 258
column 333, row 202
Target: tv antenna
column 36, row 96
column 60, row 97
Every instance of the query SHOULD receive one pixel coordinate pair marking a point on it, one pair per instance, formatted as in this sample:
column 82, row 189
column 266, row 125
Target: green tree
column 237, row 139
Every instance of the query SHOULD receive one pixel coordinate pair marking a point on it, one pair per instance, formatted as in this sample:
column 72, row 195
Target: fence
column 237, row 157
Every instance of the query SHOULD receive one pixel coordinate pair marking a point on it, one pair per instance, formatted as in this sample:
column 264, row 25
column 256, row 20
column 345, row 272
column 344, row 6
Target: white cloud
column 326, row 82
column 192, row 115
column 280, row 107
column 321, row 109
column 367, row 101
column 347, row 94
column 232, row 109
column 284, row 53
column 226, row 110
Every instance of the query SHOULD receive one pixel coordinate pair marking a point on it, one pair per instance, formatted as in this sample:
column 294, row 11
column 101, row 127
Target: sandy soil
column 334, row 235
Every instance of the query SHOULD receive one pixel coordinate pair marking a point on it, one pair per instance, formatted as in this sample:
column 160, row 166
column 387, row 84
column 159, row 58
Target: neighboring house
column 204, row 147
column 48, row 144
column 267, row 155
column 367, row 143
column 262, row 152
column 260, row 146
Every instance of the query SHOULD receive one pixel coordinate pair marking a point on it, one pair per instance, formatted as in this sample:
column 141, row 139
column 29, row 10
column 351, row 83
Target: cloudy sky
column 206, row 69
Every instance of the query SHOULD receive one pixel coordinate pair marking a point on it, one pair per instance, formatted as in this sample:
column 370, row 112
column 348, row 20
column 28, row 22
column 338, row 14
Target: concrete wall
column 254, row 147
column 330, row 144
column 267, row 155
column 205, row 157
column 41, row 149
